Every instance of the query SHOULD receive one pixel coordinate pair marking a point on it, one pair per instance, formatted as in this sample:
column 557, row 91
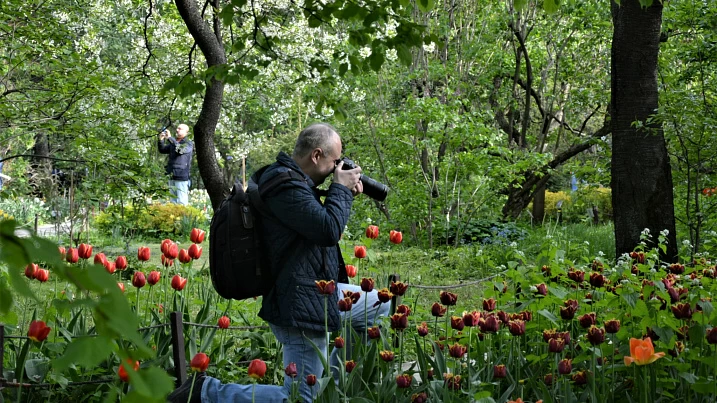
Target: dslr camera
column 371, row 187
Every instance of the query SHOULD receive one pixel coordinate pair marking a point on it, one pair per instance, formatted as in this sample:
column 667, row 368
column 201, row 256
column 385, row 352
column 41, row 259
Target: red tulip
column 350, row 365
column 153, row 277
column 257, row 369
column 38, row 331
column 326, row 287
column 111, row 267
column 121, row 262
column 62, row 250
column 166, row 262
column 565, row 366
column 375, row 333
column 360, row 251
column 499, row 371
column 121, row 286
column 290, row 370
column 200, row 362
column 195, row 251
column 372, row 232
column 72, row 255
column 143, row 253
column 197, row 235
column 339, row 342
column 395, row 237
column 178, row 282
column 42, row 275
column 223, row 322
column 165, row 245
column 172, row 251
column 122, row 372
column 138, row 279
column 457, row 350
column 184, row 256
column 310, row 380
column 100, row 258
column 84, row 251
column 351, row 270
column 438, row 310
column 30, row 270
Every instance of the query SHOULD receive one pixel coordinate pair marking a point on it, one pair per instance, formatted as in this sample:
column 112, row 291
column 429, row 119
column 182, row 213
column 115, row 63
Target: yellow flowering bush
column 151, row 220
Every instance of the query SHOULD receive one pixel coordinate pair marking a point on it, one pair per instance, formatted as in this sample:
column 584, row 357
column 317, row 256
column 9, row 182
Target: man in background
column 180, row 159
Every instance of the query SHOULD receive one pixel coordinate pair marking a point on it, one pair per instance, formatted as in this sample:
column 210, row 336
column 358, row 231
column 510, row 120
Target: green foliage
column 24, row 209
column 154, row 220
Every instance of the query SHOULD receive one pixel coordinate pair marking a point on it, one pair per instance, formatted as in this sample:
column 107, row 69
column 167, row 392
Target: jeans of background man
column 179, row 191
column 299, row 350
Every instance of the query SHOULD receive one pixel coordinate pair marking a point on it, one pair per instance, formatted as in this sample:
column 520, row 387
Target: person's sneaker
column 181, row 394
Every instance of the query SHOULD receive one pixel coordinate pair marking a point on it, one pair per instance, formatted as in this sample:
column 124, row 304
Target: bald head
column 317, row 135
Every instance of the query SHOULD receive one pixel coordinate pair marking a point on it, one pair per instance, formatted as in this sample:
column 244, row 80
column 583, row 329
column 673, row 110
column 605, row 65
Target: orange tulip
column 642, row 352
column 122, row 372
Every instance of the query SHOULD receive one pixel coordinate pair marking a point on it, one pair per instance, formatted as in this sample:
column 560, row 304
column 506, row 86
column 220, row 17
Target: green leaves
column 86, row 352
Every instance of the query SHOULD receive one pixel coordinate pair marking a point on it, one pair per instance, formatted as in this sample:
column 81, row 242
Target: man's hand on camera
column 358, row 189
column 349, row 178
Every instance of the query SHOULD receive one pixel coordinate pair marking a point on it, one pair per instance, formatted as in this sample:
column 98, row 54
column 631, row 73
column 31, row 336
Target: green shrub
column 155, row 220
column 575, row 205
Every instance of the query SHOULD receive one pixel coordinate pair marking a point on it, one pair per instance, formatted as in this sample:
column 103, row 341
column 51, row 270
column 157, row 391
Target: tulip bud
column 121, row 262
column 143, row 253
column 200, row 363
column 30, row 270
column 84, row 251
column 360, row 251
column 223, row 322
column 138, row 279
column 372, row 232
column 197, row 235
column 351, row 270
column 42, row 275
column 178, row 282
column 184, row 256
column 257, row 369
column 195, row 251
column 367, row 284
column 290, row 370
column 153, row 277
column 350, row 365
column 395, row 237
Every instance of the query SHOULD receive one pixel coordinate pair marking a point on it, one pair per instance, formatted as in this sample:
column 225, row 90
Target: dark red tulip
column 597, row 280
column 489, row 304
column 448, row 298
column 457, row 350
column 311, row 380
column 178, row 282
column 453, row 382
column 367, row 284
column 503, row 316
column 38, row 331
column 612, row 326
column 395, row 237
column 353, row 296
column 438, row 310
column 374, row 333
column 577, row 276
column 548, row 379
column 712, row 335
column 398, row 288
column 138, row 279
column 143, row 253
column 351, row 271
column 490, row 324
column 500, row 371
column 419, row 398
column 542, row 289
column 197, row 235
column 345, row 304
column 121, row 263
column 84, row 251
column 457, row 323
column 153, row 277
column 200, row 363
column 350, row 365
column 471, row 318
column 326, row 287
column 638, row 256
column 184, row 256
column 596, row 335
column 580, row 378
column 422, row 329
column 516, row 327
column 387, row 355
column 339, row 342
column 676, row 268
column 42, row 275
column 399, row 322
column 682, row 311
column 372, row 232
column 565, row 366
column 72, row 255
column 360, row 251
column 290, row 370
column 30, row 270
column 587, row 320
column 403, row 381
column 224, row 322
column 556, row 345
column 384, row 295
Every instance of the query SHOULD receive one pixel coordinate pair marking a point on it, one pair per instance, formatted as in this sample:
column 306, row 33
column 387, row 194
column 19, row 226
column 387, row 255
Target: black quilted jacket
column 302, row 242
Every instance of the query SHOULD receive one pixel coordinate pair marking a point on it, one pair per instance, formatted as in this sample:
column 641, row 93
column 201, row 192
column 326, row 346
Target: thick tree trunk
column 641, row 176
column 210, row 43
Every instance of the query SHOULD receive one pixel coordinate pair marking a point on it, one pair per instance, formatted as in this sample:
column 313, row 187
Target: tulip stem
column 326, row 325
column 191, row 389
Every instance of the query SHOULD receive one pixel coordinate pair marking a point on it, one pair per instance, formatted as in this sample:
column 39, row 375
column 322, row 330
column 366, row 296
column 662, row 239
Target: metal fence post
column 180, row 361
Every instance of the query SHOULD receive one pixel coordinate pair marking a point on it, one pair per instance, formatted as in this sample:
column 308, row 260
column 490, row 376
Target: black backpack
column 237, row 262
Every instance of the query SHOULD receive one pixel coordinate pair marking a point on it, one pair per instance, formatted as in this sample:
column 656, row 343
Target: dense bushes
column 155, row 220
column 575, row 205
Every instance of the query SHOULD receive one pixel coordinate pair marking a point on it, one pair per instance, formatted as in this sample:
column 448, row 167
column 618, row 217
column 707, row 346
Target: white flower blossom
column 365, row 52
column 430, row 48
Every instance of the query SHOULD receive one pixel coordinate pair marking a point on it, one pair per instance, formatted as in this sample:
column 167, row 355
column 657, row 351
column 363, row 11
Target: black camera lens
column 371, row 187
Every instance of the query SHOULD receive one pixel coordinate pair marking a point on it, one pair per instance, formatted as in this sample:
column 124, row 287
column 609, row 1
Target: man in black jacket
column 302, row 234
column 178, row 163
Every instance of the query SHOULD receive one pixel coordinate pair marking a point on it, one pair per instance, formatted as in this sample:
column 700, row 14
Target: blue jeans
column 299, row 350
column 179, row 191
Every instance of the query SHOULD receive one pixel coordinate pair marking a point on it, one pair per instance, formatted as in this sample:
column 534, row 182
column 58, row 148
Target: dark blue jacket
column 180, row 157
column 302, row 243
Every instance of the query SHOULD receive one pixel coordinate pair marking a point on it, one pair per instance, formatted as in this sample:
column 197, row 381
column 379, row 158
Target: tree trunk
column 210, row 43
column 641, row 175
column 539, row 205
